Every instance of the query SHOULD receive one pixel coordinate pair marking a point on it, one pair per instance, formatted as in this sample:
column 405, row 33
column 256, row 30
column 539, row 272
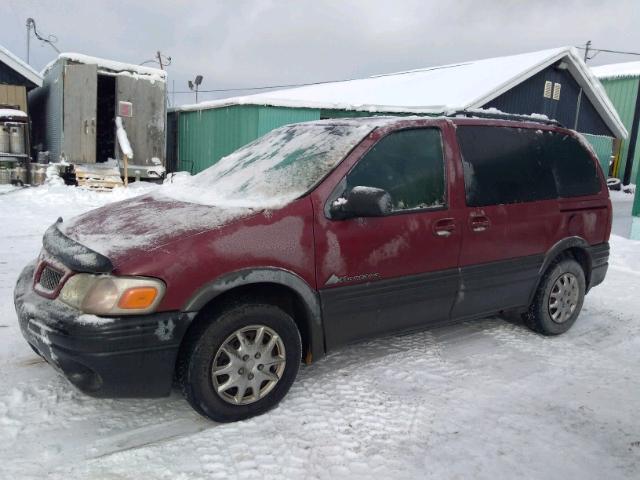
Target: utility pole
column 587, row 47
column 160, row 59
column 29, row 20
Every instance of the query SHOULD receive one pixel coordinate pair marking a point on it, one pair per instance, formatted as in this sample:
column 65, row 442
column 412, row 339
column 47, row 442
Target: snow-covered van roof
column 617, row 70
column 110, row 66
column 19, row 66
column 439, row 89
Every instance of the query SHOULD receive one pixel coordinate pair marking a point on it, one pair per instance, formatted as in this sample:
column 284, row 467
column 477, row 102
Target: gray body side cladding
column 277, row 276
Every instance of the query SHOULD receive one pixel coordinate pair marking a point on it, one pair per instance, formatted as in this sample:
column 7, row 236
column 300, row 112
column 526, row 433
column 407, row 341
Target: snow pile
column 275, row 169
column 123, row 139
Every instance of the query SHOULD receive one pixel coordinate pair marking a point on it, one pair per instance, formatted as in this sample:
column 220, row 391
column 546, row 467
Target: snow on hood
column 145, row 222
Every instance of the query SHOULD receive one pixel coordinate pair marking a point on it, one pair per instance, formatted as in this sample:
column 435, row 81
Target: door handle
column 479, row 223
column 444, row 227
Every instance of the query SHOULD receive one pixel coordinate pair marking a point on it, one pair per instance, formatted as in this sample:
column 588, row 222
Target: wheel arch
column 274, row 285
column 574, row 247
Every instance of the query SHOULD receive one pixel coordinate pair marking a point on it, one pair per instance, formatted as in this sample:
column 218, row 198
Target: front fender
column 271, row 275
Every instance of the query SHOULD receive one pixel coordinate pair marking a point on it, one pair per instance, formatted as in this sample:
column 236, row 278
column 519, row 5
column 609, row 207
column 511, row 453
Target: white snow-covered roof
column 459, row 86
column 110, row 65
column 19, row 66
column 617, row 70
column 10, row 112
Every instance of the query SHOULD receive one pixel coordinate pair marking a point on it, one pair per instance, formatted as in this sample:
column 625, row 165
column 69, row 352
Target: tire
column 559, row 298
column 614, row 184
column 204, row 345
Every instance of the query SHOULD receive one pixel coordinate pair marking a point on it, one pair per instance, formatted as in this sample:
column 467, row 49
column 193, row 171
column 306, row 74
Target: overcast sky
column 240, row 43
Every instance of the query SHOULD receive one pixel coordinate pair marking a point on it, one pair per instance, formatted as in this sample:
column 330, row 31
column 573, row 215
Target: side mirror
column 362, row 202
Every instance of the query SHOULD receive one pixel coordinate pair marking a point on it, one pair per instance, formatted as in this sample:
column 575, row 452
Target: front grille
column 50, row 278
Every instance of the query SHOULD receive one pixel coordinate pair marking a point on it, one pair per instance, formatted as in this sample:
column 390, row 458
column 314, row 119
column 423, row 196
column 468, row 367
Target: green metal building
column 621, row 82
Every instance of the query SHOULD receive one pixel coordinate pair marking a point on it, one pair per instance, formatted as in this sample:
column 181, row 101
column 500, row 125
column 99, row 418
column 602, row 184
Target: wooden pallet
column 98, row 178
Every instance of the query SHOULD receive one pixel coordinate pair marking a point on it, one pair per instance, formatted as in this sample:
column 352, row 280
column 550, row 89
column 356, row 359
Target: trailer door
column 80, row 104
column 145, row 128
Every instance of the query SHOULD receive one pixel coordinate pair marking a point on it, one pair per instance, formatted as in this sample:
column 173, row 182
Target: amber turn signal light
column 138, row 298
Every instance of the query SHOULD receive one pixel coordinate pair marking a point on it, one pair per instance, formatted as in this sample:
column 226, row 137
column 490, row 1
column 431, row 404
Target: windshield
column 275, row 169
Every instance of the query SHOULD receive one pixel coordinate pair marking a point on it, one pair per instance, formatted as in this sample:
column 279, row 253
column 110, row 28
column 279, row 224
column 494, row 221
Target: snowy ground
column 487, row 399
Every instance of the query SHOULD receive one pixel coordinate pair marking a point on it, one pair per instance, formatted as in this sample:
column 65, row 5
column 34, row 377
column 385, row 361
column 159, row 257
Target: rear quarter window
column 575, row 171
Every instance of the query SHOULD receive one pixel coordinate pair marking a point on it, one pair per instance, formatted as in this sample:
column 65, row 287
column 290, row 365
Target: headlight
column 109, row 295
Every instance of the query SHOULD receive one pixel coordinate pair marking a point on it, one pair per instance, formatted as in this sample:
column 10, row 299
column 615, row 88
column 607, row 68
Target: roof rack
column 504, row 116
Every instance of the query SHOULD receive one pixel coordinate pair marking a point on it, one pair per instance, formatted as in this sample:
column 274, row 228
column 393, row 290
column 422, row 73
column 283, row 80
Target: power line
column 266, row 87
column 589, row 48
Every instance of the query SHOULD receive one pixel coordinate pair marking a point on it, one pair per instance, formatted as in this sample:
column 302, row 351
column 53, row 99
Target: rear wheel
column 559, row 298
column 241, row 363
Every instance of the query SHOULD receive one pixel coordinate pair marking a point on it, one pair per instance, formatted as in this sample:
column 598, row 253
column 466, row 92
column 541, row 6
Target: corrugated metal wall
column 45, row 105
column 623, row 92
column 604, row 149
column 274, row 117
column 205, row 136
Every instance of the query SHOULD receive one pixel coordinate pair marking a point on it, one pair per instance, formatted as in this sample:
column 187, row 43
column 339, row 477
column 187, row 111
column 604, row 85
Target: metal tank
column 19, row 174
column 5, row 145
column 16, row 139
column 38, row 173
column 5, row 175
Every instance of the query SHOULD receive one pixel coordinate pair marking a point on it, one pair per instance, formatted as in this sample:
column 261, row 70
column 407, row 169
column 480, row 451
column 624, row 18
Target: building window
column 548, row 86
column 556, row 91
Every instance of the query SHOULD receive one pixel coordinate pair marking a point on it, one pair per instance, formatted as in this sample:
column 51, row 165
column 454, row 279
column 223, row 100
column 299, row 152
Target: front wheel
column 559, row 298
column 241, row 363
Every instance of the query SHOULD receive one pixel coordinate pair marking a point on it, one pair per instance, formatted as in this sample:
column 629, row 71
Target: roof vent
column 556, row 91
column 548, row 86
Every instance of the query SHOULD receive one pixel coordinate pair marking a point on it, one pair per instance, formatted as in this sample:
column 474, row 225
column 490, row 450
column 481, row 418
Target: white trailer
column 74, row 112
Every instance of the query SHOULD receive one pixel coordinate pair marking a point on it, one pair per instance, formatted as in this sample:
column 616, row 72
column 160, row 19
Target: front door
column 80, row 106
column 397, row 272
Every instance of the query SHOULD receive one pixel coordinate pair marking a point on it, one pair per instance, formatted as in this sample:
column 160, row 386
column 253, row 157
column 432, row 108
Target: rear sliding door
column 512, row 216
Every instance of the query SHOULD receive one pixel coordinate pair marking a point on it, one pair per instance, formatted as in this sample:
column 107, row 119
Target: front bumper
column 129, row 356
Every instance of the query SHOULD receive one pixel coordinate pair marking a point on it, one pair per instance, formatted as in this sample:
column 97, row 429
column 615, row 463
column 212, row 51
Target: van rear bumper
column 129, row 356
column 599, row 263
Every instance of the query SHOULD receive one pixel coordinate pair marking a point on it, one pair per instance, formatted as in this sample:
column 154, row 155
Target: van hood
column 145, row 223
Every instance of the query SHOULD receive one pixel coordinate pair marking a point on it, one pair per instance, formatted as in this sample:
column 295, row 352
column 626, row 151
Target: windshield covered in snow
column 275, row 169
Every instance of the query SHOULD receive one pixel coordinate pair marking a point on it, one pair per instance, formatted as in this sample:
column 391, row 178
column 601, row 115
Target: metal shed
column 553, row 82
column 74, row 111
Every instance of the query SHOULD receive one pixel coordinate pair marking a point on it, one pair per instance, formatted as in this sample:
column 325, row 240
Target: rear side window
column 409, row 165
column 575, row 171
column 504, row 165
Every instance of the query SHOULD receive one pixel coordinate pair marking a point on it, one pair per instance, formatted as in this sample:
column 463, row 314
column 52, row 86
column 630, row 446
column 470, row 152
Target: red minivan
column 314, row 236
